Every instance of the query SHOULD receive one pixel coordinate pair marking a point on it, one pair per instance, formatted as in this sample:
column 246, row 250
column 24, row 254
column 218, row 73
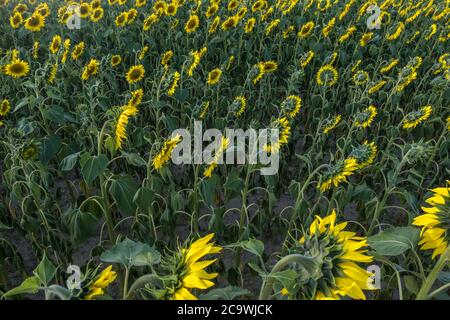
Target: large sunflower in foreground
column 17, row 68
column 435, row 222
column 191, row 273
column 337, row 254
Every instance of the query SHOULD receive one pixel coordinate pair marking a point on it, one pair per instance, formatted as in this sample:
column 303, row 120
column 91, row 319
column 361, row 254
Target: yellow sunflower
column 413, row 119
column 327, row 76
column 191, row 273
column 331, row 123
column 338, row 254
column 214, row 76
column 192, row 24
column 435, row 222
column 163, row 156
column 16, row 20
column 115, row 60
column 338, row 173
column 135, row 74
column 91, row 69
column 103, row 280
column 17, row 68
column 365, row 118
column 122, row 122
column 35, row 22
column 306, row 30
column 97, row 14
column 364, row 154
column 222, row 147
column 78, row 50
column 55, row 44
column 5, row 107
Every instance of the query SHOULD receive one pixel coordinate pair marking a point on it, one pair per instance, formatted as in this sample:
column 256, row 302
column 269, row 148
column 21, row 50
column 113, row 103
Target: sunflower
column 43, row 9
column 214, row 25
column 53, row 71
column 140, row 3
column 66, row 50
column 284, row 132
column 272, row 25
column 413, row 119
column 232, row 5
column 174, row 85
column 406, row 76
column 264, row 68
column 55, row 44
column 249, row 25
column 214, row 76
column 377, row 87
column 448, row 123
column 78, row 50
column 259, row 5
column 192, row 24
column 327, row 76
column 36, row 49
column 337, row 254
column 91, row 69
column 291, row 106
column 16, row 20
column 171, row 9
column 17, row 68
column 435, row 222
column 306, row 58
column 29, row 152
column 364, row 154
column 96, row 14
column 149, row 21
column 331, row 123
column 131, row 15
column 327, row 29
column 5, row 107
column 190, row 273
column 338, row 173
column 365, row 38
column 306, row 30
column 347, row 34
column 35, row 22
column 365, row 118
column 238, row 106
column 196, row 57
column 211, row 10
column 121, row 124
column 360, row 78
column 143, row 52
column 115, row 60
column 219, row 152
column 121, row 19
column 397, row 32
column 136, row 98
column 135, row 74
column 159, row 6
column 84, row 10
column 166, row 58
column 103, row 280
column 229, row 23
column 163, row 156
column 21, row 8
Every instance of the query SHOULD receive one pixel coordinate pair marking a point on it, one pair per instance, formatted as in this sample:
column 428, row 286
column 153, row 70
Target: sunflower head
column 435, row 222
column 214, row 76
column 291, row 106
column 115, row 60
column 188, row 269
column 360, row 77
column 17, row 68
column 364, row 154
column 238, row 106
column 135, row 74
column 192, row 24
column 331, row 123
column 98, row 285
column 5, row 107
column 414, row 118
column 336, row 254
column 327, row 76
column 365, row 118
column 29, row 152
column 35, row 22
column 338, row 173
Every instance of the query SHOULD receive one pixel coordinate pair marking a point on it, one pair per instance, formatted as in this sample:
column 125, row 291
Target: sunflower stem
column 432, row 276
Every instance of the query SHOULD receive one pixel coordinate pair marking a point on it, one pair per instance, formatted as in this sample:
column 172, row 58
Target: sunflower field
column 94, row 207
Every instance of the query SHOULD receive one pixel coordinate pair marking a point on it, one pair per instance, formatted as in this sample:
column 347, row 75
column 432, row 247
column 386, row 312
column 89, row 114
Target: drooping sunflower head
column 338, row 173
column 238, row 106
column 131, row 15
column 361, row 77
column 364, row 154
column 331, row 123
column 165, row 59
column 305, row 59
column 211, row 10
column 283, row 127
column 35, row 22
column 163, row 156
column 188, row 269
column 17, row 68
column 5, row 106
column 135, row 74
column 100, row 283
column 192, row 24
column 232, row 5
column 121, row 19
column 365, row 118
column 78, row 50
column 214, row 76
column 327, row 76
column 435, row 222
column 91, row 69
column 249, row 25
column 136, row 98
column 291, row 106
column 337, row 254
column 259, row 5
column 414, row 118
